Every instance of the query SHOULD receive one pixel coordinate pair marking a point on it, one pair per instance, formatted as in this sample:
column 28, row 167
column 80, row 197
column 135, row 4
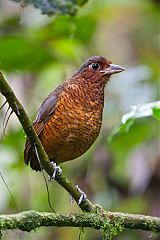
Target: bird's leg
column 56, row 169
column 83, row 195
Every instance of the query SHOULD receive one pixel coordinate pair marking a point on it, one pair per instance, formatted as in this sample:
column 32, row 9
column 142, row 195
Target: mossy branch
column 50, row 7
column 30, row 220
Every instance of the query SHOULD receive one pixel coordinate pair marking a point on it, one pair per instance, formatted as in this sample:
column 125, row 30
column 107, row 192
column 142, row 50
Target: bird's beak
column 112, row 69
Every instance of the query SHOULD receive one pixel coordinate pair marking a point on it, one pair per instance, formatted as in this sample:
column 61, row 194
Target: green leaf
column 138, row 111
column 126, row 127
column 156, row 112
column 121, row 128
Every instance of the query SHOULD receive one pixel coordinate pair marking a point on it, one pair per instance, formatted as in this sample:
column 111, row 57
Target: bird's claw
column 83, row 195
column 56, row 169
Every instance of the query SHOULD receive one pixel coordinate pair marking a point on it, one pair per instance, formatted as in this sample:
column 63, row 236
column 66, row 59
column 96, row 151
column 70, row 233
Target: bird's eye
column 95, row 66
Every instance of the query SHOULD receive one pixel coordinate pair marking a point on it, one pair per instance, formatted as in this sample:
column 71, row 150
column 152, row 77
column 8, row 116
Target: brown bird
column 69, row 120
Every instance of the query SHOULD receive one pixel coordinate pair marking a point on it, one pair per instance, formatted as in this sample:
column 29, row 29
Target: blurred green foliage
column 156, row 113
column 120, row 171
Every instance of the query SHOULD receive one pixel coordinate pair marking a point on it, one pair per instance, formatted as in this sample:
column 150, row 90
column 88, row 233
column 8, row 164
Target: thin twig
column 3, row 104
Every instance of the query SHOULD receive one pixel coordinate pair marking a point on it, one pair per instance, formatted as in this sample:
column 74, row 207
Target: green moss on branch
column 113, row 222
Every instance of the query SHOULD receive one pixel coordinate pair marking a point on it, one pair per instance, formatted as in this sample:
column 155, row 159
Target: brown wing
column 44, row 114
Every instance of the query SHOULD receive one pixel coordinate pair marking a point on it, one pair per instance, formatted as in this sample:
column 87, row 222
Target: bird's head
column 98, row 69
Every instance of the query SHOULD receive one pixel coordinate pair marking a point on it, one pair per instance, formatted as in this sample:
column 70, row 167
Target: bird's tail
column 30, row 157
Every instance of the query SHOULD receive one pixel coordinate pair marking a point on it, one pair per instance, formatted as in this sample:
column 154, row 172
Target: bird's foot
column 56, row 169
column 83, row 195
